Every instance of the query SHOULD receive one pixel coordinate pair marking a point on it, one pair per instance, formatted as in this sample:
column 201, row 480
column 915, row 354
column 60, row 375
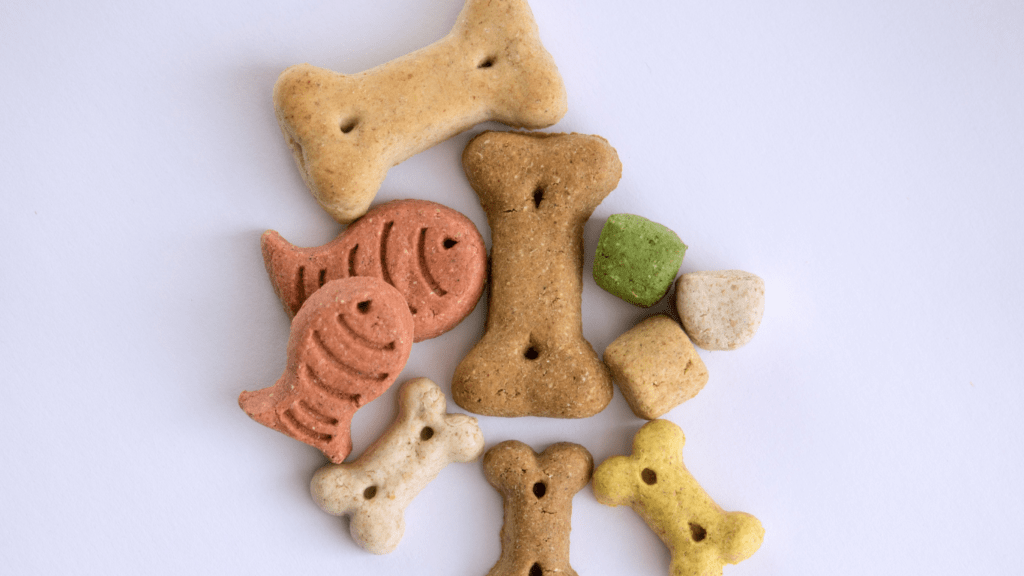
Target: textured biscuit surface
column 720, row 310
column 432, row 254
column 376, row 488
column 346, row 347
column 654, row 482
column 346, row 131
column 655, row 366
column 538, row 191
column 537, row 491
column 637, row 259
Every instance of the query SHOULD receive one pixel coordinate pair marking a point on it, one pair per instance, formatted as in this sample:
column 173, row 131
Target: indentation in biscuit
column 364, row 308
column 539, row 489
column 424, row 269
column 346, row 131
column 348, row 124
column 376, row 488
column 538, row 191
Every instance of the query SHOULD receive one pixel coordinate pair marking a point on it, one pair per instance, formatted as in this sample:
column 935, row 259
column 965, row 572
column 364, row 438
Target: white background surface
column 865, row 158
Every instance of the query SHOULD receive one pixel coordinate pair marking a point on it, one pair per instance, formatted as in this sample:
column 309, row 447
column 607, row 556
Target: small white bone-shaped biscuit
column 376, row 488
column 346, row 131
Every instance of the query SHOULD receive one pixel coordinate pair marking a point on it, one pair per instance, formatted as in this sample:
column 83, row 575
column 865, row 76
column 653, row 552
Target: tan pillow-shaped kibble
column 656, row 366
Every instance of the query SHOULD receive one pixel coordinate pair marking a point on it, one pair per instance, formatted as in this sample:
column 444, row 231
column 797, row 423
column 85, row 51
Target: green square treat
column 637, row 259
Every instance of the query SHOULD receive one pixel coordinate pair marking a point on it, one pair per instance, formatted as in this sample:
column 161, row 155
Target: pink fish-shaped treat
column 432, row 254
column 347, row 346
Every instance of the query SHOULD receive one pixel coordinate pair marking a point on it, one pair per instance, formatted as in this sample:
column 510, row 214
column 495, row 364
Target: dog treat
column 434, row 256
column 655, row 483
column 376, row 488
column 720, row 310
column 346, row 131
column 637, row 259
column 656, row 366
column 347, row 346
column 537, row 491
column 538, row 191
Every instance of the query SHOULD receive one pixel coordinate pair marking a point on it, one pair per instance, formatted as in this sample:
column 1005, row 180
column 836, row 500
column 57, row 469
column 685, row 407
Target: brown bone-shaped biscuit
column 537, row 491
column 347, row 346
column 346, row 131
column 538, row 191
column 434, row 255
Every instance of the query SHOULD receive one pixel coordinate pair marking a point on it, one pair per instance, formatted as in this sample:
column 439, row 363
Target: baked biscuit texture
column 346, row 131
column 656, row 366
column 720, row 310
column 376, row 488
column 637, row 259
column 347, row 346
column 537, row 491
column 654, row 482
column 538, row 191
column 434, row 255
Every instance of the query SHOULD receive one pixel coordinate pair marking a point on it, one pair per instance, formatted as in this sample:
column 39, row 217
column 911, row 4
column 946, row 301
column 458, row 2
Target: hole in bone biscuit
column 649, row 477
column 412, row 309
column 538, row 197
column 486, row 63
column 348, row 124
column 536, row 570
column 363, row 306
column 449, row 243
column 531, row 353
column 697, row 532
column 427, row 433
column 370, row 492
column 539, row 489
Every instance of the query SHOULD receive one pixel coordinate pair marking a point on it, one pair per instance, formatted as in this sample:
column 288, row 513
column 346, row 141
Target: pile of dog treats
column 410, row 270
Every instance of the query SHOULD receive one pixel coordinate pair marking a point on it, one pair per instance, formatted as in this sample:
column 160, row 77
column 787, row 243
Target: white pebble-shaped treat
column 720, row 310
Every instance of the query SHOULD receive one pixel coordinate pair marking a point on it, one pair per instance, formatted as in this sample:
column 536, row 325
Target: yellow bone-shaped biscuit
column 655, row 483
column 346, row 131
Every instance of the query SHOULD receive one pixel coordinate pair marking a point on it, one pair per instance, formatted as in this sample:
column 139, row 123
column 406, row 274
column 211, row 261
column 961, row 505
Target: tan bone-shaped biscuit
column 537, row 490
column 346, row 131
column 538, row 191
column 376, row 488
column 656, row 484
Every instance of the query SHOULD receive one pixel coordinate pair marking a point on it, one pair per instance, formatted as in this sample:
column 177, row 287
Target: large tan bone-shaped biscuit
column 656, row 484
column 538, row 191
column 376, row 489
column 346, row 131
column 537, row 490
